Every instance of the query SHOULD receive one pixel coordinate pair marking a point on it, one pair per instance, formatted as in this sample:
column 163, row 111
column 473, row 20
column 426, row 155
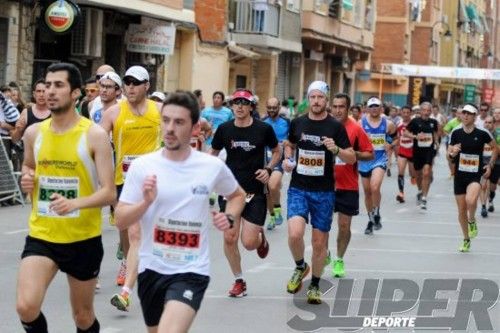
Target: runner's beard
column 61, row 109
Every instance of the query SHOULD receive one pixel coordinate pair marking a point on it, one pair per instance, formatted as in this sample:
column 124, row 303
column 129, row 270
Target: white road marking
column 111, row 330
column 260, row 268
column 15, row 232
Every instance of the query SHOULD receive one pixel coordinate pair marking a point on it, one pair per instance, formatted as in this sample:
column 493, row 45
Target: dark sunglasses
column 374, row 106
column 241, row 101
column 134, row 82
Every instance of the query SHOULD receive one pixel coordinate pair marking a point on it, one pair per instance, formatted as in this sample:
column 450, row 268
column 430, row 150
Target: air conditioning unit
column 86, row 38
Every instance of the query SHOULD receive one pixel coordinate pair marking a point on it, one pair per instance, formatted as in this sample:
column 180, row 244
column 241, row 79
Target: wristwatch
column 230, row 219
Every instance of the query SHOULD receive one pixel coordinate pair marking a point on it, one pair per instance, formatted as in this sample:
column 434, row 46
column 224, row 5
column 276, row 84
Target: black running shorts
column 460, row 183
column 254, row 212
column 347, row 202
column 82, row 260
column 156, row 289
column 422, row 157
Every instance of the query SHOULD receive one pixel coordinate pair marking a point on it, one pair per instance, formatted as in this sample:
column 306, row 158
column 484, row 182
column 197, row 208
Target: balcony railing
column 257, row 17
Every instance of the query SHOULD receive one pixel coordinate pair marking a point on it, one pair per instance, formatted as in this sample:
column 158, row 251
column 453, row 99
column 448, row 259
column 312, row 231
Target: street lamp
column 447, row 35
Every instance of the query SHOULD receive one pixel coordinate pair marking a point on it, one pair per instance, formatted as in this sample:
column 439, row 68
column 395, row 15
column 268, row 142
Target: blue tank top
column 377, row 137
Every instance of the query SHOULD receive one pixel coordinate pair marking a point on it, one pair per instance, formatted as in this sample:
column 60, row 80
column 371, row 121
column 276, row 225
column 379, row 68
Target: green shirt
column 451, row 125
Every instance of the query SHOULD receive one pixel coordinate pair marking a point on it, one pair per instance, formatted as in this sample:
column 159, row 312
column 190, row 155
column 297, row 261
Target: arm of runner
column 365, row 147
column 289, row 154
column 17, row 133
column 28, row 168
column 126, row 214
column 234, row 207
column 105, row 194
column 109, row 118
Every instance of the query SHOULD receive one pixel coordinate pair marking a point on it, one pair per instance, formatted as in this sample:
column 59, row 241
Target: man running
column 346, row 179
column 314, row 140
column 69, row 185
column 372, row 172
column 281, row 127
column 405, row 152
column 110, row 87
column 487, row 153
column 466, row 149
column 32, row 114
column 424, row 132
column 135, row 127
column 216, row 114
column 167, row 192
column 245, row 140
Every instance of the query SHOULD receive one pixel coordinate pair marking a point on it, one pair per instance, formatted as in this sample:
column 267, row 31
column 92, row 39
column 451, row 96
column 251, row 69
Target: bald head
column 273, row 107
column 104, row 69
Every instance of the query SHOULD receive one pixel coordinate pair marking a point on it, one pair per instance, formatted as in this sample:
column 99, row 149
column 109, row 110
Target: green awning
column 475, row 18
column 471, row 12
column 347, row 4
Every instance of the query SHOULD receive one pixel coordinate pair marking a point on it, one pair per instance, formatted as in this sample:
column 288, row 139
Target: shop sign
column 415, row 90
column 469, row 93
column 61, row 16
column 151, row 39
column 488, row 94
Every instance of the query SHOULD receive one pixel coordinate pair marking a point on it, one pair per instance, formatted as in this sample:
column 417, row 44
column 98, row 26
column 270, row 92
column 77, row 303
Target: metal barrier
column 257, row 17
column 9, row 186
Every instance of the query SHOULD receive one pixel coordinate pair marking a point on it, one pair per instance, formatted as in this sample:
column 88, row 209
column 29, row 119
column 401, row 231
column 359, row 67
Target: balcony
column 257, row 17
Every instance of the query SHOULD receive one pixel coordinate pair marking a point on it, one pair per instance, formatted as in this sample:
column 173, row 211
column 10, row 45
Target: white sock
column 238, row 276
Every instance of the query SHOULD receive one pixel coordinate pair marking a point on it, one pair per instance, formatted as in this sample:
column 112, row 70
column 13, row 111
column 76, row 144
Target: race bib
column 425, row 140
column 68, row 187
column 406, row 142
column 487, row 151
column 339, row 161
column 175, row 240
column 468, row 163
column 127, row 159
column 378, row 141
column 311, row 163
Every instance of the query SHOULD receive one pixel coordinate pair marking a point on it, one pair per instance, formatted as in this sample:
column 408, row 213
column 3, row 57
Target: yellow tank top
column 64, row 165
column 134, row 136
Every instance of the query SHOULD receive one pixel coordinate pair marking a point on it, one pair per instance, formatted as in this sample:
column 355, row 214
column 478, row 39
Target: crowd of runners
column 141, row 154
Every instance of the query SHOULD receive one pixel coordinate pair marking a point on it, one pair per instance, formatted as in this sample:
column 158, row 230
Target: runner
column 96, row 105
column 167, row 192
column 424, row 132
column 372, row 172
column 405, row 152
column 135, row 127
column 466, row 149
column 314, row 140
column 281, row 127
column 346, row 179
column 484, row 111
column 245, row 140
column 216, row 114
column 447, row 129
column 441, row 119
column 395, row 118
column 68, row 186
column 487, row 152
column 32, row 114
column 110, row 86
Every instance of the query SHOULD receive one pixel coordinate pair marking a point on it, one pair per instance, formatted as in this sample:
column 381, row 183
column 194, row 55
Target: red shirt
column 346, row 175
column 405, row 144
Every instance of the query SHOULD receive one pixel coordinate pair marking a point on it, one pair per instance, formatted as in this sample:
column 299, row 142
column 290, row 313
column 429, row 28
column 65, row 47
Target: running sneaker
column 272, row 223
column 295, row 282
column 484, row 211
column 239, row 288
column 377, row 225
column 472, row 229
column 313, row 295
column 338, row 268
column 121, row 301
column 369, row 228
column 122, row 273
column 465, row 246
column 400, row 197
column 119, row 252
column 491, row 208
column 263, row 248
column 279, row 217
column 423, row 204
column 419, row 198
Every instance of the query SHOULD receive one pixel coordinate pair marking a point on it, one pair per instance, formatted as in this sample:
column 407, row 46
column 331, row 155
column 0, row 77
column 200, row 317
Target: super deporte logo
column 245, row 145
column 313, row 138
column 437, row 305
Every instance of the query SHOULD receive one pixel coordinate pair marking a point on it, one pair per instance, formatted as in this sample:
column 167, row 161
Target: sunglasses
column 241, row 101
column 133, row 82
column 90, row 90
column 469, row 113
column 374, row 106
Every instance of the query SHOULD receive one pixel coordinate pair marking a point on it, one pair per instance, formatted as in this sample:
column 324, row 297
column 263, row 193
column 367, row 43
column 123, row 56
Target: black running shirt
column 428, row 127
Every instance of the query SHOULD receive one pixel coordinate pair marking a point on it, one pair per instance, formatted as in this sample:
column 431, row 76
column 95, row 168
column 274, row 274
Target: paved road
column 412, row 246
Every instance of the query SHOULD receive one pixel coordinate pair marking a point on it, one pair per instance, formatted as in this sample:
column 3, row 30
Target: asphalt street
column 413, row 250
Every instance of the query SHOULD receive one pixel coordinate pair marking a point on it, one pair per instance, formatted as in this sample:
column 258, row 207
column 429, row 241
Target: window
column 348, row 11
column 321, row 6
column 293, row 5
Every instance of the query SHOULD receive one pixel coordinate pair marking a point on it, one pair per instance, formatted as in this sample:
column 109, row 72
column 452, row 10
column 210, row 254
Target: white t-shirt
column 175, row 227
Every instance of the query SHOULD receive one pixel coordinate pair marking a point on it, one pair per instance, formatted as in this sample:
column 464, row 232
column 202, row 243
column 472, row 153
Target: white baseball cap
column 373, row 101
column 469, row 108
column 137, row 72
column 321, row 86
column 158, row 94
column 113, row 77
